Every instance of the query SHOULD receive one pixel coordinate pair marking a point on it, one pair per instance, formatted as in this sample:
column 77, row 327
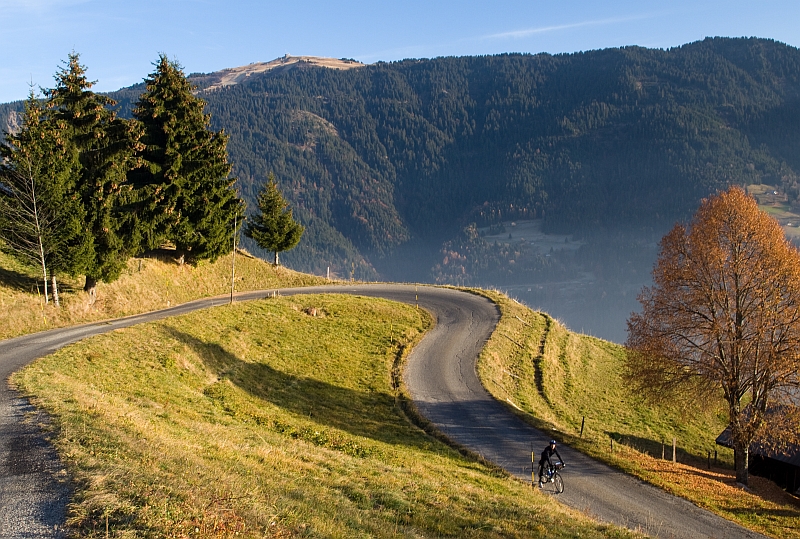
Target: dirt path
column 443, row 383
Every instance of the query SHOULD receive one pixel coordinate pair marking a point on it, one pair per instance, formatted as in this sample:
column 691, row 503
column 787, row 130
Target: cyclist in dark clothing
column 546, row 454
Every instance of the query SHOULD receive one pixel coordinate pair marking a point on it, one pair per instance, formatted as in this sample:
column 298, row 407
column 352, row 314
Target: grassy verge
column 259, row 419
column 147, row 284
column 560, row 381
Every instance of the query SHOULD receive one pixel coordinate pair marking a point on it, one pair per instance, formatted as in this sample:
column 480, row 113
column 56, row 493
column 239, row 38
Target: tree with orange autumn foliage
column 722, row 321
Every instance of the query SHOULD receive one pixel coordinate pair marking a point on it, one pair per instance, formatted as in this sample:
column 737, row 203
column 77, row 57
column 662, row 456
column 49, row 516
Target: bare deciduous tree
column 25, row 226
column 41, row 220
column 722, row 321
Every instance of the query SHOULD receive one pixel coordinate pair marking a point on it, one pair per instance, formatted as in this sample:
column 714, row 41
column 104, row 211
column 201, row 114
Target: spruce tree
column 190, row 198
column 42, row 220
column 273, row 228
column 105, row 147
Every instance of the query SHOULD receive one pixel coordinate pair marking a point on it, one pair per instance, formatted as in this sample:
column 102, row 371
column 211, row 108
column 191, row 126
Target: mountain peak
column 236, row 75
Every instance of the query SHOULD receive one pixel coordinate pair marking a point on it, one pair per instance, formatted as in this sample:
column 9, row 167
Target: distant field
column 774, row 202
column 531, row 232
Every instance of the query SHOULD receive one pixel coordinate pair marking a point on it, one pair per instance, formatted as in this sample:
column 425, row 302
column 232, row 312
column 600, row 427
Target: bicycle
column 552, row 475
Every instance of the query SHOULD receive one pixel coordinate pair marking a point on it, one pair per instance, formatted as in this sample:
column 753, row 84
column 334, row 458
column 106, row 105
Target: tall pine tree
column 190, row 198
column 42, row 219
column 105, row 147
column 273, row 228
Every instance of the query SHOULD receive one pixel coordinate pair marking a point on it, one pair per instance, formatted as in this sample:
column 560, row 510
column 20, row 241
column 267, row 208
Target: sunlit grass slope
column 261, row 419
column 147, row 284
column 557, row 379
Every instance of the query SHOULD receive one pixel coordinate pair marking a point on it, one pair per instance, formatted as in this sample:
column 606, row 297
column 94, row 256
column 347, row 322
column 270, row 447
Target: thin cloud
column 516, row 34
column 412, row 51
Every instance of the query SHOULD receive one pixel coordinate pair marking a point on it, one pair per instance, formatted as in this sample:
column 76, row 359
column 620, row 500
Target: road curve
column 442, row 382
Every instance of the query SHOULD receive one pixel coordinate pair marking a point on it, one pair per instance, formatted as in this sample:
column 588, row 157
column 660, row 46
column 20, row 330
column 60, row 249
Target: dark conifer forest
column 376, row 157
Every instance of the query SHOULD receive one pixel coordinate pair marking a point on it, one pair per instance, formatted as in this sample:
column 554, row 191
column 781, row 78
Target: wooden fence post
column 674, row 450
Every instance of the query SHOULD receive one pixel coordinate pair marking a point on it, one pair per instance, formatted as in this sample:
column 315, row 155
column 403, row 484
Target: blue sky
column 119, row 40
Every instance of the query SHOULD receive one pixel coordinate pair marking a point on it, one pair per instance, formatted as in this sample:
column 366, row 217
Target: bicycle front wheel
column 558, row 482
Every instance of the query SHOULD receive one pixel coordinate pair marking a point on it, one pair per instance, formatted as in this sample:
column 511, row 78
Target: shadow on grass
column 165, row 255
column 371, row 414
column 24, row 282
column 18, row 281
column 656, row 448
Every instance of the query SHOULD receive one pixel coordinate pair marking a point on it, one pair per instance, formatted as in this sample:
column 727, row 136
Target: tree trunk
column 276, row 259
column 46, row 292
column 38, row 228
column 740, row 461
column 55, row 290
column 44, row 278
column 91, row 288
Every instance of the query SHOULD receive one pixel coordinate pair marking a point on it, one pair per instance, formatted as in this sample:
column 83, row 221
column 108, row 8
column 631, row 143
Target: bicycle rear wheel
column 559, row 483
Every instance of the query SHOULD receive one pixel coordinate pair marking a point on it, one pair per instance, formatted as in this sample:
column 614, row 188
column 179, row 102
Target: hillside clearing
column 557, row 392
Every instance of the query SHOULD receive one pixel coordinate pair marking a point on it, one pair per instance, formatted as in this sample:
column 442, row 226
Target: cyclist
column 546, row 454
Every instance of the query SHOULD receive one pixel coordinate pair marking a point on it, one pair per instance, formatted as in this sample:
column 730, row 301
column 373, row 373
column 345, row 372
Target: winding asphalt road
column 443, row 384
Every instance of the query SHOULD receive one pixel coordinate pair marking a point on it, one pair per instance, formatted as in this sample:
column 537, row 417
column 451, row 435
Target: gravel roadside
column 34, row 487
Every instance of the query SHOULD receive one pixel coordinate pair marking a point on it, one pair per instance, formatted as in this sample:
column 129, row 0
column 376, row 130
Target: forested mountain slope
column 408, row 153
column 377, row 156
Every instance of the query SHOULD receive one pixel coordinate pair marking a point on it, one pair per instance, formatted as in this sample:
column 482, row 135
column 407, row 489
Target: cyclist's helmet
column 552, row 442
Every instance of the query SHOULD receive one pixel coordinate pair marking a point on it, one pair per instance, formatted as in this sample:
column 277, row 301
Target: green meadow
column 261, row 419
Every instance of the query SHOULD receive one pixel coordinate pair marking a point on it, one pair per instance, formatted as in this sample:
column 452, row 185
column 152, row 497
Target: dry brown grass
column 762, row 506
column 147, row 284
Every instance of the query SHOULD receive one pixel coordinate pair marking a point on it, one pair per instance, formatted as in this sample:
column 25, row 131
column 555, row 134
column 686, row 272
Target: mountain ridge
column 413, row 151
column 566, row 138
column 235, row 75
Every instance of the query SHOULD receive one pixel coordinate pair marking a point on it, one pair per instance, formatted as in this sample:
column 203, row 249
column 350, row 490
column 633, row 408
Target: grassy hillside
column 147, row 284
column 559, row 380
column 259, row 419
